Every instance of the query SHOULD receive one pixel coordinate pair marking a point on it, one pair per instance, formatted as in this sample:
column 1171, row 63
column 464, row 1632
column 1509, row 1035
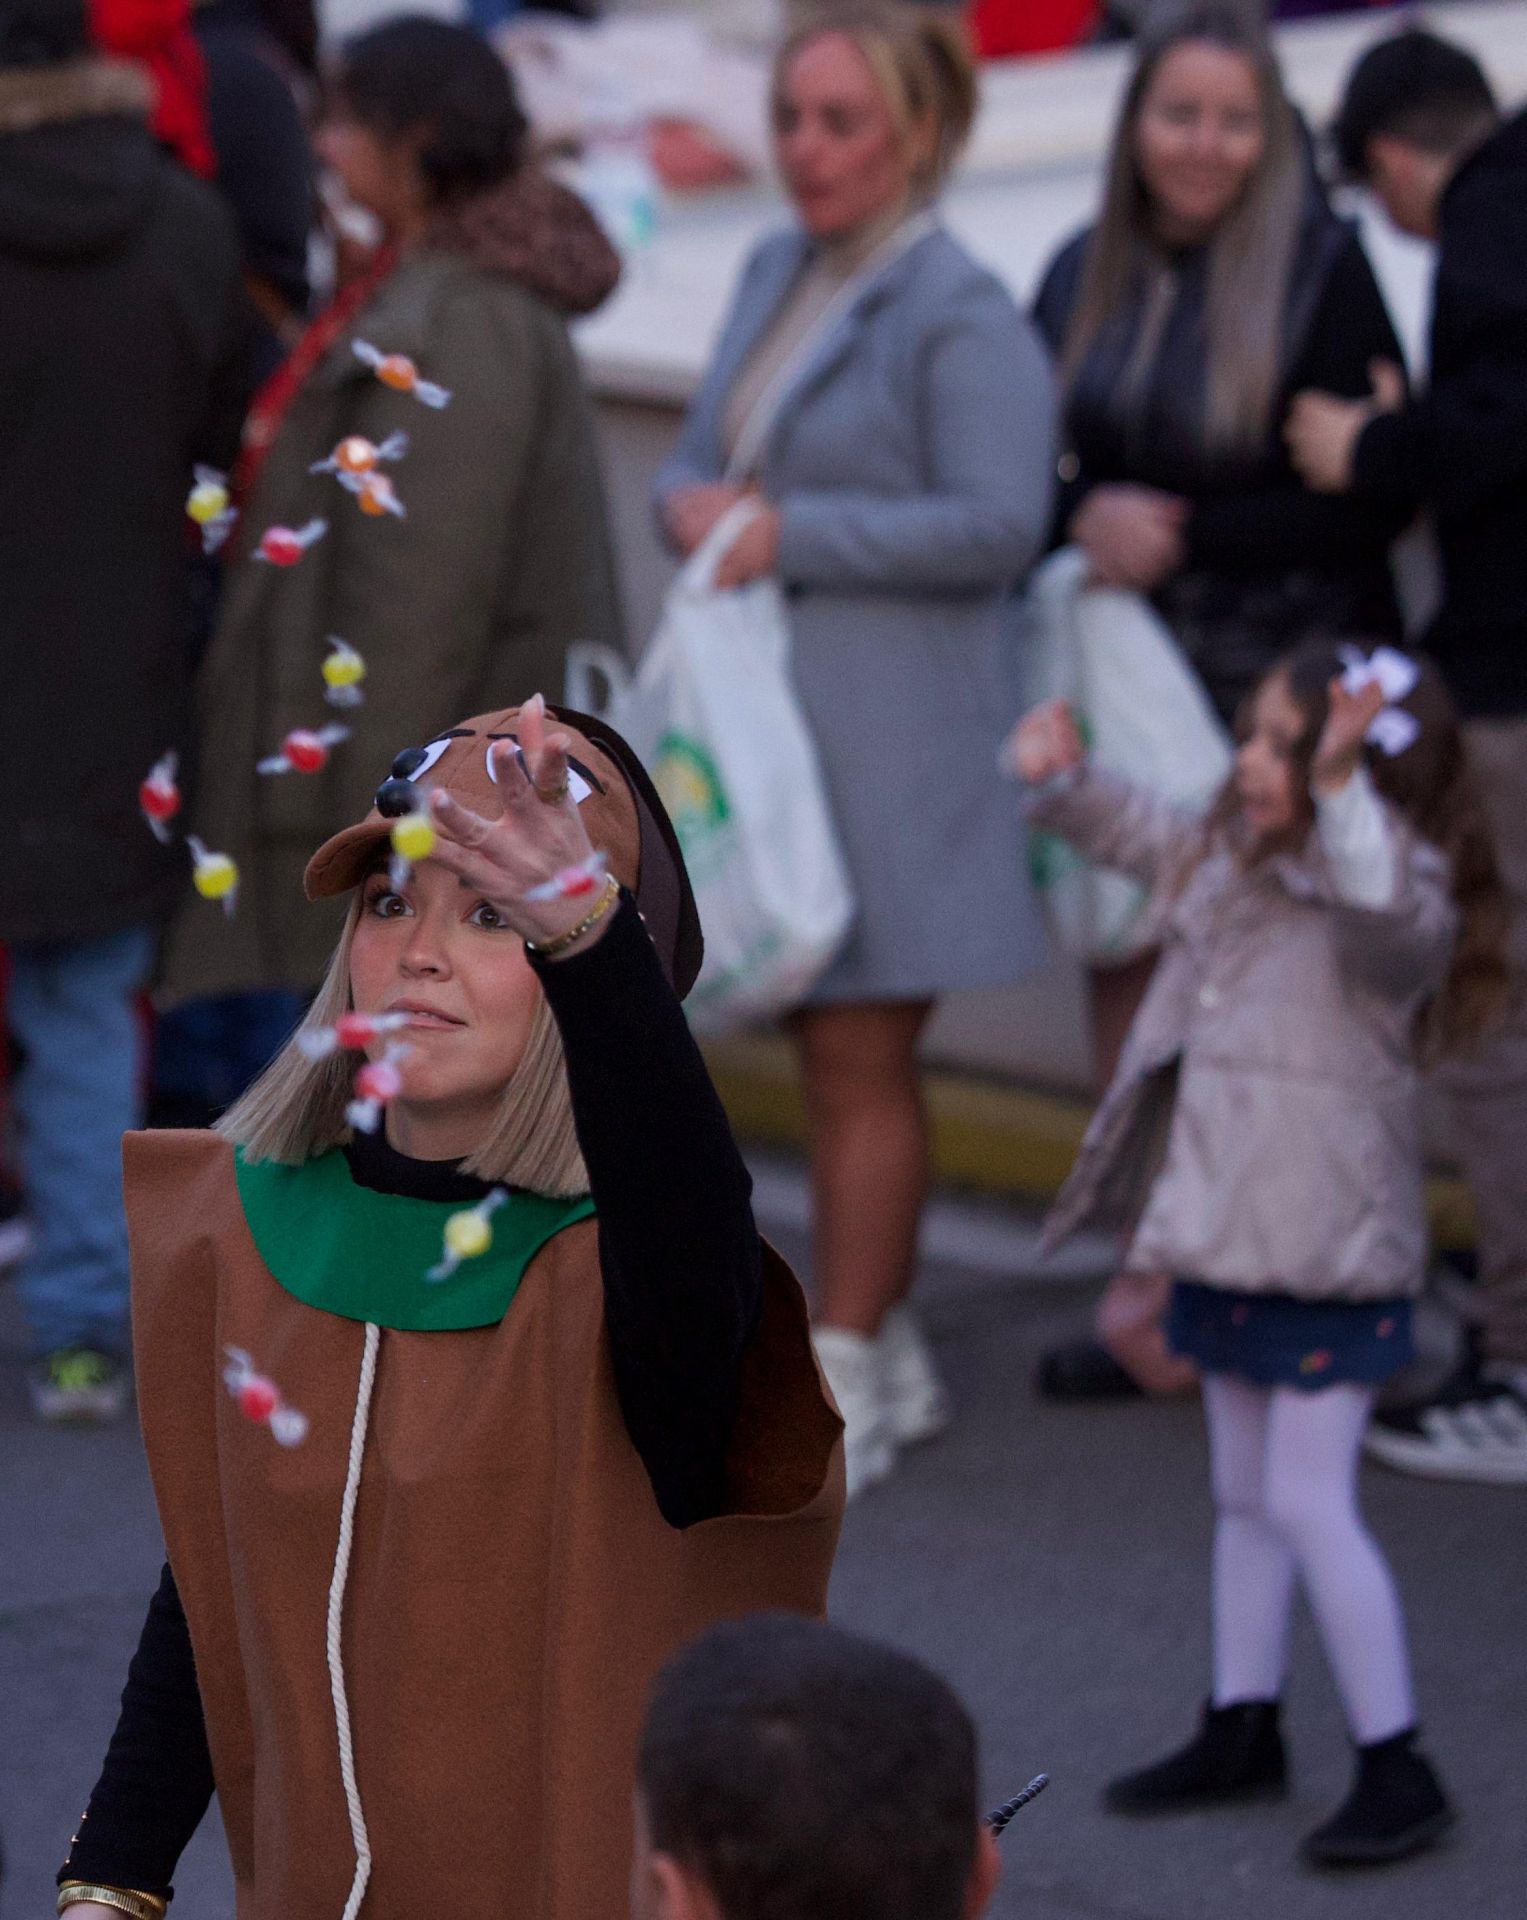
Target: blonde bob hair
column 296, row 1109
column 924, row 70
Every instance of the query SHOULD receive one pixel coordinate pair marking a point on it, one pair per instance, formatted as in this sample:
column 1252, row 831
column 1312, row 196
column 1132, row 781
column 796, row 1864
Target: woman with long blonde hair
column 1215, row 279
column 460, row 1426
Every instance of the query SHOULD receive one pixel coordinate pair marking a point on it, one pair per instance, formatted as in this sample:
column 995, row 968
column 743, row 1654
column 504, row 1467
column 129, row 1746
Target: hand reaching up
column 1340, row 746
column 1044, row 743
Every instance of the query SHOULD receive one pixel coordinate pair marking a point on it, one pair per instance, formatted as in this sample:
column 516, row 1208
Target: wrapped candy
column 214, row 875
column 260, row 1400
column 343, row 671
column 159, row 796
column 374, row 494
column 377, row 1083
column 210, row 506
column 356, row 454
column 285, row 546
column 350, row 1032
column 304, row 750
column 468, row 1234
column 413, row 839
column 573, row 883
column 397, row 371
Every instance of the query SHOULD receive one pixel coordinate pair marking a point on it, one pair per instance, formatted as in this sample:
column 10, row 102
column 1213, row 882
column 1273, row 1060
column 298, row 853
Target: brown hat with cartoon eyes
column 624, row 818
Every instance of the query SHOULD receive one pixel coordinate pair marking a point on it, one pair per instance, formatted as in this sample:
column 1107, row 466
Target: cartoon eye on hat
column 398, row 795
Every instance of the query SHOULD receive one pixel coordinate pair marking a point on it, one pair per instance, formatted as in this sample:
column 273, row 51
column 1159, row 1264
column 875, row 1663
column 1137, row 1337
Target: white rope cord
column 336, row 1623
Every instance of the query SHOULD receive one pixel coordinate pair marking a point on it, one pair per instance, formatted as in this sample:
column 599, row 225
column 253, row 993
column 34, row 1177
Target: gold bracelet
column 549, row 949
column 141, row 1906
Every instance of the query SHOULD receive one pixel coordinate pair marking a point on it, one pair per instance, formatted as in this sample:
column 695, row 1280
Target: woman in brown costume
column 410, row 1653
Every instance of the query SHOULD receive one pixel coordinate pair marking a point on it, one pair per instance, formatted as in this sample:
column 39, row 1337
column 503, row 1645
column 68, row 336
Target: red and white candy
column 285, row 546
column 377, row 1083
column 573, row 883
column 351, row 1032
column 159, row 796
column 260, row 1400
column 304, row 750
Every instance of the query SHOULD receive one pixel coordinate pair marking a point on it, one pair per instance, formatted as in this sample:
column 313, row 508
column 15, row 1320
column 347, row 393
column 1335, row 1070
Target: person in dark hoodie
column 501, row 557
column 1419, row 126
column 1213, row 285
column 120, row 331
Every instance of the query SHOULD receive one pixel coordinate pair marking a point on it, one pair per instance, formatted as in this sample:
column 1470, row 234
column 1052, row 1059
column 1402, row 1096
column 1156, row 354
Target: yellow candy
column 344, row 668
column 215, row 877
column 468, row 1234
column 413, row 837
column 208, row 501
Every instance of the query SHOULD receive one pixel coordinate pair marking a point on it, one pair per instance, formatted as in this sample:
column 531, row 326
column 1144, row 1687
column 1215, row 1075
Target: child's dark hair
column 1417, row 87
column 1431, row 786
column 804, row 1773
column 418, row 76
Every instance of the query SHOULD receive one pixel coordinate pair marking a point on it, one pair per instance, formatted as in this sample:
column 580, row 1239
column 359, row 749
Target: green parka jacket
column 466, row 604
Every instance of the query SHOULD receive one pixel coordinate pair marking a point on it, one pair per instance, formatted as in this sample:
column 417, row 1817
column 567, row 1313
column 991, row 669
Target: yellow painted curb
column 989, row 1135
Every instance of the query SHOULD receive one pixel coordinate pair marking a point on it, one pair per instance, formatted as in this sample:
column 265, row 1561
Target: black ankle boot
column 1396, row 1807
column 1238, row 1755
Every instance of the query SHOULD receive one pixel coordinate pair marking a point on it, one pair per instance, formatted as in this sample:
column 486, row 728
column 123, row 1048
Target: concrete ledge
column 990, row 1135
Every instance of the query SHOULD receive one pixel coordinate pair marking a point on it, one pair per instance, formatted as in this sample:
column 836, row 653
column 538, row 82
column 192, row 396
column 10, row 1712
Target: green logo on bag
column 690, row 787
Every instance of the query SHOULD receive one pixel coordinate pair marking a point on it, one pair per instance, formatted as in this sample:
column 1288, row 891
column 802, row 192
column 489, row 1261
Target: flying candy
column 351, row 1031
column 260, row 1400
column 214, row 876
column 159, row 797
column 572, row 883
column 209, row 505
column 304, row 751
column 374, row 494
column 343, row 671
column 468, row 1234
column 413, row 839
column 356, row 454
column 377, row 1082
column 397, row 371
column 285, row 546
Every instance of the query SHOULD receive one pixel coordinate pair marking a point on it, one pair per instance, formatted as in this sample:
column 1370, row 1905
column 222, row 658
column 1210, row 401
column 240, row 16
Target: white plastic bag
column 712, row 713
column 1143, row 714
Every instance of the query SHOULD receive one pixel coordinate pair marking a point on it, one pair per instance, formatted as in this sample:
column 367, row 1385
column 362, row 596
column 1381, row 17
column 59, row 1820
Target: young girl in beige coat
column 1336, row 909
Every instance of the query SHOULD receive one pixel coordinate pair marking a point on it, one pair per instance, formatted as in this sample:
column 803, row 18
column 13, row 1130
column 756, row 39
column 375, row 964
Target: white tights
column 1285, row 1500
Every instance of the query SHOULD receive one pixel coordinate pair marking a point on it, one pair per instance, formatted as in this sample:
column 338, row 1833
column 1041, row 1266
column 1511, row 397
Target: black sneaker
column 1396, row 1808
column 1237, row 1756
column 1472, row 1428
column 1084, row 1370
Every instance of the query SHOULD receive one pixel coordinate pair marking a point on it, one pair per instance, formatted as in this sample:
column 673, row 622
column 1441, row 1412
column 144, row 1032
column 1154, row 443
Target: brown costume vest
column 512, row 1588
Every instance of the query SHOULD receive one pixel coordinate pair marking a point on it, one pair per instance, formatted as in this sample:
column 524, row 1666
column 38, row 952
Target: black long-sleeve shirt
column 682, row 1271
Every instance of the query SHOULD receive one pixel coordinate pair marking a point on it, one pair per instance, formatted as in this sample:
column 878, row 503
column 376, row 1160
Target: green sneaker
column 79, row 1385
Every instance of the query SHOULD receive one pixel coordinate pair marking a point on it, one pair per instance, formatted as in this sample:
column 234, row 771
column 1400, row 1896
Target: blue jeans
column 78, row 1090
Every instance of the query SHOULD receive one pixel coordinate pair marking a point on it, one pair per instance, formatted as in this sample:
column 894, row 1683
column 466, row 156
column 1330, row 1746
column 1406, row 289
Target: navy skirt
column 1274, row 1340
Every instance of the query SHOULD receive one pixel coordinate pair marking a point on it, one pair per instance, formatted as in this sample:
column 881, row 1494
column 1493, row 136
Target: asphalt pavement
column 1051, row 1561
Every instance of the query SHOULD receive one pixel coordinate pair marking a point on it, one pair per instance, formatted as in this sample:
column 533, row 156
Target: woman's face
column 1199, row 136
column 447, row 959
column 381, row 175
column 842, row 155
column 1266, row 764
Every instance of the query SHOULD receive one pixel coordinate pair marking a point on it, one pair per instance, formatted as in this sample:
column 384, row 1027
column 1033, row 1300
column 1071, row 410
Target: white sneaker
column 851, row 1363
column 916, row 1404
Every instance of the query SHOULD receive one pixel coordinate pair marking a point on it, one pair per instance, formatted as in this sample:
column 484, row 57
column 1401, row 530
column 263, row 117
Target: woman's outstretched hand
column 1340, row 746
column 1044, row 743
column 539, row 836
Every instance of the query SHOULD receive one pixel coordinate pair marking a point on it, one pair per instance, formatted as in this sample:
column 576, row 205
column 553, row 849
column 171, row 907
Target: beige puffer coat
column 1261, row 1132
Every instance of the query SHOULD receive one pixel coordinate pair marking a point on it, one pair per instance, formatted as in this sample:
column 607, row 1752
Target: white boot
column 916, row 1405
column 851, row 1363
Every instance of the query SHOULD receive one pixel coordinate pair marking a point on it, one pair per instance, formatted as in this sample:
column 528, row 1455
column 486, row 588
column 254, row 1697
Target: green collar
column 363, row 1255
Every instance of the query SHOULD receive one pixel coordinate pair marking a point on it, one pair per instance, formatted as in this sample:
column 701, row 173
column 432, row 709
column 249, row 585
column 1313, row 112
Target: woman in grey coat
column 892, row 408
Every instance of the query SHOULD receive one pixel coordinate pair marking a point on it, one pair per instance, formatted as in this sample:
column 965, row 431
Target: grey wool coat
column 910, row 461
column 468, row 603
column 1261, row 1133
